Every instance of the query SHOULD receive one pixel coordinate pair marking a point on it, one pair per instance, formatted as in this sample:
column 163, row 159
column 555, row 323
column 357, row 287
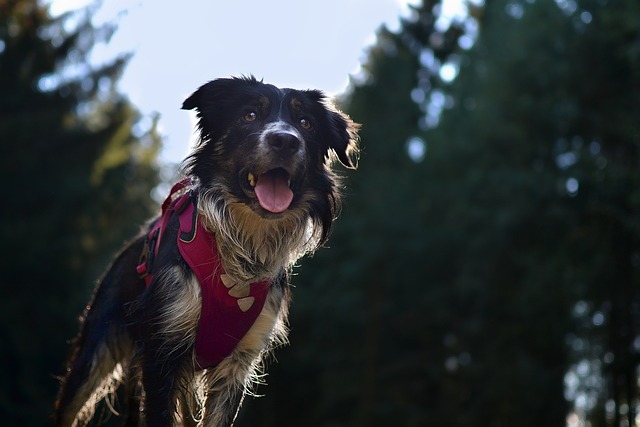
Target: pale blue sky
column 180, row 45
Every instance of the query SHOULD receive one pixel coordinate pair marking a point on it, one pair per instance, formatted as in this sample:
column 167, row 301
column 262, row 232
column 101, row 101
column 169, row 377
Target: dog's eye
column 306, row 124
column 250, row 116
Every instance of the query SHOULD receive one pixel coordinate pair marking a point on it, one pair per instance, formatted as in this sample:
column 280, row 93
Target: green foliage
column 551, row 152
column 363, row 351
column 495, row 282
column 77, row 181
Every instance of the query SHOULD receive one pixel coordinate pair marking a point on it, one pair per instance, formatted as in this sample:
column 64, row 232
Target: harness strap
column 229, row 309
column 174, row 202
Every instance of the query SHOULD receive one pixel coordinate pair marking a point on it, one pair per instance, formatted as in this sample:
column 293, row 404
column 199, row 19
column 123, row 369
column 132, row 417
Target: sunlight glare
column 57, row 8
column 448, row 72
column 572, row 186
column 416, row 149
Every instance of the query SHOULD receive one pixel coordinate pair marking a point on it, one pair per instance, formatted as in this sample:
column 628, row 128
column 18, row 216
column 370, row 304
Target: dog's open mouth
column 272, row 189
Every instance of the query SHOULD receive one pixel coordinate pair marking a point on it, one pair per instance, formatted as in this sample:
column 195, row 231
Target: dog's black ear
column 344, row 138
column 196, row 101
column 202, row 101
column 192, row 101
column 217, row 90
column 211, row 103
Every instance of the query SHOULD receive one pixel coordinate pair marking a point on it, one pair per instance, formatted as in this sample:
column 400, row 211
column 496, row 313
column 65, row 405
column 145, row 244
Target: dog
column 185, row 314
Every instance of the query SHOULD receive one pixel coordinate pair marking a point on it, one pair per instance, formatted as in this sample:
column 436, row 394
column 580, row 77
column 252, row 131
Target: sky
column 179, row 45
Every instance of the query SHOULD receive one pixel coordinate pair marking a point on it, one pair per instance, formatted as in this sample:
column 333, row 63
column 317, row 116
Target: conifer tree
column 536, row 162
column 78, row 162
column 491, row 277
column 352, row 353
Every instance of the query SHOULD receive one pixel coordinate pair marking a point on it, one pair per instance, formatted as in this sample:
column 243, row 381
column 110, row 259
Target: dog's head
column 270, row 149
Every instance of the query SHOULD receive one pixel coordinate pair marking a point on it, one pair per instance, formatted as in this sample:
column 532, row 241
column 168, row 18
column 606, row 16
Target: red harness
column 228, row 309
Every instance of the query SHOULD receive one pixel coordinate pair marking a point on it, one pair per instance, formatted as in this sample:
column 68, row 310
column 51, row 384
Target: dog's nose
column 284, row 142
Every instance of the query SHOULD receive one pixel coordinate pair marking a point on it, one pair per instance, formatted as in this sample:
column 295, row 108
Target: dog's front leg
column 226, row 386
column 173, row 309
column 227, row 383
column 163, row 381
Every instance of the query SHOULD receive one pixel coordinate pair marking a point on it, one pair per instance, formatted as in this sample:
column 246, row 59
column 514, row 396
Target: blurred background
column 485, row 269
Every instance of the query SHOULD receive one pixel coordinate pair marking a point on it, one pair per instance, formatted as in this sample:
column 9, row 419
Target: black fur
column 248, row 130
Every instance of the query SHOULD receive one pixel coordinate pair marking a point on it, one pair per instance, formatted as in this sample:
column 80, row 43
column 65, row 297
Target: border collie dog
column 187, row 311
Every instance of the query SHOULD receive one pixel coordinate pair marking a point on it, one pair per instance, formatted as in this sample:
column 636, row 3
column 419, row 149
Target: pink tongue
column 273, row 191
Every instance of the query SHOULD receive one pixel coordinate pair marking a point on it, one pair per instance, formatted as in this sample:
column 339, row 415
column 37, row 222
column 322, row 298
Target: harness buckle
column 145, row 262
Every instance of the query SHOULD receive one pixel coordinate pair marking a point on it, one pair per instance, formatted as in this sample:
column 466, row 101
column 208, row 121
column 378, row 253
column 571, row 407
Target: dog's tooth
column 246, row 303
column 252, row 179
column 240, row 291
column 227, row 281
